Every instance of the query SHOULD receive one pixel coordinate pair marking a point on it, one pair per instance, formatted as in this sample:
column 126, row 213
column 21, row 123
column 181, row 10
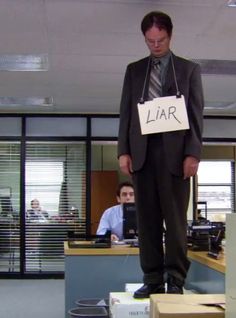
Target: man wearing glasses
column 161, row 163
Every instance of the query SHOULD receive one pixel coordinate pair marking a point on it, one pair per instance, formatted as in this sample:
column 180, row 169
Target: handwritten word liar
column 162, row 114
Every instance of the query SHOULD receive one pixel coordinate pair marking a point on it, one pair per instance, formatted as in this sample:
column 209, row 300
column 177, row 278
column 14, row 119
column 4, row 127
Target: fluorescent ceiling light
column 26, row 101
column 231, row 3
column 11, row 62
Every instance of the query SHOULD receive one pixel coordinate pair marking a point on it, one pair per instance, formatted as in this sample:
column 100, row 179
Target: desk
column 206, row 275
column 94, row 273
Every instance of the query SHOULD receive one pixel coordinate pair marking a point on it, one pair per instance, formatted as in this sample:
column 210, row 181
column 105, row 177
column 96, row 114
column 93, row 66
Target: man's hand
column 190, row 167
column 125, row 164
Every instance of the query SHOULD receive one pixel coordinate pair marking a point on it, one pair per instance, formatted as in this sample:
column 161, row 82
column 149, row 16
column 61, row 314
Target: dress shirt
column 112, row 219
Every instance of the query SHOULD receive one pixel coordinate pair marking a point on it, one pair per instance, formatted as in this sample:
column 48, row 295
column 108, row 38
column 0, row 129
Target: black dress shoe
column 147, row 289
column 174, row 287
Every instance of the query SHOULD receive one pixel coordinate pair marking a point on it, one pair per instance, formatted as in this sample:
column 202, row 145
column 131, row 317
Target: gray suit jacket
column 177, row 144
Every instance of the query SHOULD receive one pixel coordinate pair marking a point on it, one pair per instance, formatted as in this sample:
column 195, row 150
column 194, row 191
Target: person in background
column 161, row 164
column 200, row 217
column 112, row 218
column 36, row 213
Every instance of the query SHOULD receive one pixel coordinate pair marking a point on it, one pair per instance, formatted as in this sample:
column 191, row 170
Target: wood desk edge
column 114, row 250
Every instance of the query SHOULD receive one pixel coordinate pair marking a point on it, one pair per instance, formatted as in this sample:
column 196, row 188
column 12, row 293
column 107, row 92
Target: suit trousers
column 161, row 199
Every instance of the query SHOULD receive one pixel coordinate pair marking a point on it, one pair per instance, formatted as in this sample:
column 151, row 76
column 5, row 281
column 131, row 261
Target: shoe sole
column 147, row 296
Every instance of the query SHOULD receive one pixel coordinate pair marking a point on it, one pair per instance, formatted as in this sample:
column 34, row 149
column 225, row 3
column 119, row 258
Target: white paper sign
column 163, row 114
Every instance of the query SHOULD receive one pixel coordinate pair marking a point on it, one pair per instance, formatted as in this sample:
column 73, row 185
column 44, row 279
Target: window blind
column 55, row 192
column 9, row 206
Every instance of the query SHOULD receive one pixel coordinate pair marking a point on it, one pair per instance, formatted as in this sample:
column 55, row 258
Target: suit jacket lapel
column 143, row 79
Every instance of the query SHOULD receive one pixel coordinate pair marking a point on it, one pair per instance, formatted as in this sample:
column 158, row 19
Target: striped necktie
column 155, row 80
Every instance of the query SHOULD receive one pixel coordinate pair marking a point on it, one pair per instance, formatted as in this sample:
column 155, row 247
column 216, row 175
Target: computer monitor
column 130, row 230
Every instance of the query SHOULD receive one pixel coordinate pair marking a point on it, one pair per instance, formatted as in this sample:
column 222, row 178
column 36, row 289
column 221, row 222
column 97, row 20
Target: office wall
column 104, row 156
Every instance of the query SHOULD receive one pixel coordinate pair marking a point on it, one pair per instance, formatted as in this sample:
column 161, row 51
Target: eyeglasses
column 156, row 42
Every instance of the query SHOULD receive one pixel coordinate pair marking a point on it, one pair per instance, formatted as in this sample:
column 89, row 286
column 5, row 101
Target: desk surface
column 201, row 257
column 114, row 250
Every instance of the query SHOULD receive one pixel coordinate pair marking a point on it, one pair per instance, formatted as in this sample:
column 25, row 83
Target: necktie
column 155, row 80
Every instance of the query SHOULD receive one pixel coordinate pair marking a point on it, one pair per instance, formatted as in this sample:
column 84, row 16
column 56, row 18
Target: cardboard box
column 187, row 306
column 123, row 305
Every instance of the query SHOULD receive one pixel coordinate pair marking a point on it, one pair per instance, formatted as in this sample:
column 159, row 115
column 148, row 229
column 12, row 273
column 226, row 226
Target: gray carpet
column 39, row 298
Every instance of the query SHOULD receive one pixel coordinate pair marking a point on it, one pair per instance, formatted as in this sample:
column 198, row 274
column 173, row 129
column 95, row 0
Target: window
column 216, row 186
column 43, row 181
column 55, row 176
column 9, row 207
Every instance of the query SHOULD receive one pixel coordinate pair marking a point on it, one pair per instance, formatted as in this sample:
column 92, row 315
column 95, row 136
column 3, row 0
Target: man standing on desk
column 112, row 218
column 161, row 164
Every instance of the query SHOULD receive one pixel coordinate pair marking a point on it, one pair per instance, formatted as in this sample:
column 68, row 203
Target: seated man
column 112, row 218
column 36, row 213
